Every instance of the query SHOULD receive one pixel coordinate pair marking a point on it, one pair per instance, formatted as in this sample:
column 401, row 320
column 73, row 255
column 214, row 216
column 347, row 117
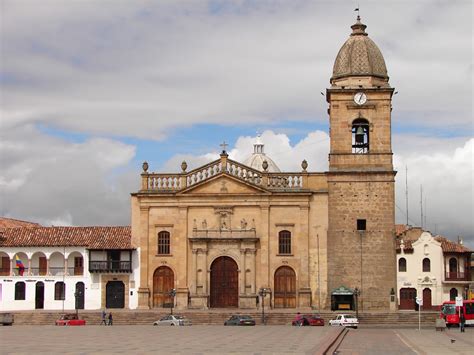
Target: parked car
column 346, row 320
column 70, row 319
column 239, row 319
column 308, row 319
column 172, row 320
column 6, row 318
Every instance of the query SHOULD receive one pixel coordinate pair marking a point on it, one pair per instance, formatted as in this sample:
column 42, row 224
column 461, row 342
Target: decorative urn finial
column 265, row 165
column 145, row 167
column 304, row 164
column 184, row 166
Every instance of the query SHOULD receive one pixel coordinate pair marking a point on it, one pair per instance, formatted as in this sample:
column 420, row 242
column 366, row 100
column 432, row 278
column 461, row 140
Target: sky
column 91, row 89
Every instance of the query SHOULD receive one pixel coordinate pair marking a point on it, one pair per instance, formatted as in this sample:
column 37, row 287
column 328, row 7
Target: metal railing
column 110, row 266
column 37, row 271
column 455, row 276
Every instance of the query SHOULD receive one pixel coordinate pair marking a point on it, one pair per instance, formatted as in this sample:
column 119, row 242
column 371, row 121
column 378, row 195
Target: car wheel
column 172, row 324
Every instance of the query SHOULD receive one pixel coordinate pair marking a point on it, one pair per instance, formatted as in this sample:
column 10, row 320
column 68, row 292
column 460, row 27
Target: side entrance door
column 39, row 295
column 224, row 283
column 426, row 299
column 285, row 288
column 80, row 289
column 115, row 294
column 407, row 298
column 163, row 283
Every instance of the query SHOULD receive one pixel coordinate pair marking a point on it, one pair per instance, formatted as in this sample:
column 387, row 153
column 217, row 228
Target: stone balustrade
column 224, row 234
column 176, row 182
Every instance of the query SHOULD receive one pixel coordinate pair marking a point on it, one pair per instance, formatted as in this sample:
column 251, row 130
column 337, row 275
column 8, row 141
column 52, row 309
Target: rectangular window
column 164, row 242
column 361, row 224
column 59, row 291
column 20, row 291
column 284, row 242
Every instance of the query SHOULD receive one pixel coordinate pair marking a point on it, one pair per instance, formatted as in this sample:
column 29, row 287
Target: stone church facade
column 232, row 234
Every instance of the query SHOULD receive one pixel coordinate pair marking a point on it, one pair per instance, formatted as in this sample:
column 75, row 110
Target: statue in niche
column 243, row 224
column 204, row 224
column 253, row 223
column 224, row 221
column 194, row 224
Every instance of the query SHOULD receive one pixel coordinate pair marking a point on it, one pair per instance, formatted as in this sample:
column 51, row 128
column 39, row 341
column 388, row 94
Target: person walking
column 462, row 321
column 104, row 321
column 110, row 319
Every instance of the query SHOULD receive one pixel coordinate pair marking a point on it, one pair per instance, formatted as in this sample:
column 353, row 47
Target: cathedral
column 235, row 234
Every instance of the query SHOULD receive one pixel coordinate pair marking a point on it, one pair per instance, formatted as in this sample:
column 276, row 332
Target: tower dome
column 255, row 161
column 359, row 56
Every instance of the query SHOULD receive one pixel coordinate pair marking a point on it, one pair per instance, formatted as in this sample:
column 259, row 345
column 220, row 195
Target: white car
column 172, row 320
column 345, row 320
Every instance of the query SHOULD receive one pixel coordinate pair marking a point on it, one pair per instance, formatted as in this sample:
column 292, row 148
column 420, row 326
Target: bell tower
column 361, row 243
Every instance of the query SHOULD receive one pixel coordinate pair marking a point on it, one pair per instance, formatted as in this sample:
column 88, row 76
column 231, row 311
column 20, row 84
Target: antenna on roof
column 406, row 190
column 421, row 205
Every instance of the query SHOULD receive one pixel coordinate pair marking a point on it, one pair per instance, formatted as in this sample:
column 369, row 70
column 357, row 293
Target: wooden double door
column 224, row 283
column 163, row 283
column 285, row 288
column 407, row 298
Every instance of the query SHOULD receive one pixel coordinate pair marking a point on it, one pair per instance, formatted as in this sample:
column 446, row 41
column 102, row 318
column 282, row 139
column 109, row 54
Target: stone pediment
column 224, row 184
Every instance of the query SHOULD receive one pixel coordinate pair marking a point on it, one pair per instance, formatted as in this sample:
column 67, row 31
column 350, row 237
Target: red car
column 70, row 319
column 308, row 319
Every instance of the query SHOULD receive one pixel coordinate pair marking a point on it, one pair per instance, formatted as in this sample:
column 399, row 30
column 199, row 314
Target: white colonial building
column 61, row 268
column 430, row 267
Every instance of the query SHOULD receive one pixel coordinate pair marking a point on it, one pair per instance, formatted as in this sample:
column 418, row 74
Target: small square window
column 361, row 224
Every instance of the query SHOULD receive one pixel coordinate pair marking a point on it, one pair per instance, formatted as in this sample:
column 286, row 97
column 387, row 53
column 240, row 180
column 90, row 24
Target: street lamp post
column 263, row 292
column 357, row 294
column 172, row 294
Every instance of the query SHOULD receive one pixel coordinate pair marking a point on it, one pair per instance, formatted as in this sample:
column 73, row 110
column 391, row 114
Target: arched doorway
column 427, row 299
column 79, row 295
column 39, row 295
column 408, row 298
column 224, row 283
column 115, row 294
column 285, row 288
column 163, row 283
column 453, row 293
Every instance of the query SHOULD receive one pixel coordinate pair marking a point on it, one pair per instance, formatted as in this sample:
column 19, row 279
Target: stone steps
column 213, row 317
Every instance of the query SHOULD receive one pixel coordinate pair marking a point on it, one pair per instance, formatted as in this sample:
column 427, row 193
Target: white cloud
column 139, row 68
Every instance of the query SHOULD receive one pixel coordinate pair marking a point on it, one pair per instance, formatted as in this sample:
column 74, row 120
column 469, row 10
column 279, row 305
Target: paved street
column 228, row 340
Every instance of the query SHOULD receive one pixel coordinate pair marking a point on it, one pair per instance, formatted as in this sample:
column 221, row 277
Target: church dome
column 359, row 56
column 255, row 161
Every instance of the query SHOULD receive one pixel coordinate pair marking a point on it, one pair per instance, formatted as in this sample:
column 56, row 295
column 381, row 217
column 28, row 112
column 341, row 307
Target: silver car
column 173, row 320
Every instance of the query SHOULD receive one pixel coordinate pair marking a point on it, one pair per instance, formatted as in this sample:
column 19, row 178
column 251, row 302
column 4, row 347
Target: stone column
column 12, row 266
column 65, row 265
column 194, row 272
column 252, row 256
column 144, row 290
column 264, row 272
column 243, row 272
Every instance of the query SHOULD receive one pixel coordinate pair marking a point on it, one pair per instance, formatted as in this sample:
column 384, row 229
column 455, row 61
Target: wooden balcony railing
column 456, row 276
column 110, row 266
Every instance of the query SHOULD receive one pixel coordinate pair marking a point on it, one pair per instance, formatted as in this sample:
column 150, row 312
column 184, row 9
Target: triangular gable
column 224, row 183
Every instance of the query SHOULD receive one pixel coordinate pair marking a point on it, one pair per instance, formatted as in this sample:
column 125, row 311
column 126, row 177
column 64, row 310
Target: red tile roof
column 449, row 246
column 88, row 237
column 15, row 223
column 400, row 228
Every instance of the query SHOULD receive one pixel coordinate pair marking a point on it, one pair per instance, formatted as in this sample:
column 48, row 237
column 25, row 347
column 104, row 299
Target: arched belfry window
column 360, row 136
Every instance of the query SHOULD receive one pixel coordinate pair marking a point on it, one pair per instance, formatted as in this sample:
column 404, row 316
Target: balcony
column 456, row 276
column 110, row 266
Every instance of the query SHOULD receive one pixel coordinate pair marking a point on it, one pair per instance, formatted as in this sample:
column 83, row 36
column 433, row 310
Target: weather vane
column 357, row 9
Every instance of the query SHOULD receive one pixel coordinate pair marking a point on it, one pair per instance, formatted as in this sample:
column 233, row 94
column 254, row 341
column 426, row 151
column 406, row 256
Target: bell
column 359, row 136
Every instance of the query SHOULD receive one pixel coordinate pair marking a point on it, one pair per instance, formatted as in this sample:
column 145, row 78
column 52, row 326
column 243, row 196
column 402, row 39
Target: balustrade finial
column 304, row 164
column 184, row 166
column 145, row 167
column 265, row 165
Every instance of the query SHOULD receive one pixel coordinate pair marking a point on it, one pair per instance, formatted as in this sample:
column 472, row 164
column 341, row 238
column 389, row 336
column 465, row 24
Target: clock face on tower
column 360, row 98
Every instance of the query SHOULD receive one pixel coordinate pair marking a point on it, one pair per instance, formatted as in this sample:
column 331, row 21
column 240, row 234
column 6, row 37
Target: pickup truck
column 345, row 320
column 6, row 318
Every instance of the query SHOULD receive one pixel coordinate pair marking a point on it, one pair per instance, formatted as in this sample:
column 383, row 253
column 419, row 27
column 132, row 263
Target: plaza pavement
column 202, row 339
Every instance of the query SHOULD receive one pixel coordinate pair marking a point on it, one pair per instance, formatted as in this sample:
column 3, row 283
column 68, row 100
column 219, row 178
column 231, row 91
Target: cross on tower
column 224, row 146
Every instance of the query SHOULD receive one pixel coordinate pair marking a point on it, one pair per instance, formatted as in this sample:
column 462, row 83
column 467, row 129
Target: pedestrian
column 462, row 321
column 110, row 319
column 104, row 322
